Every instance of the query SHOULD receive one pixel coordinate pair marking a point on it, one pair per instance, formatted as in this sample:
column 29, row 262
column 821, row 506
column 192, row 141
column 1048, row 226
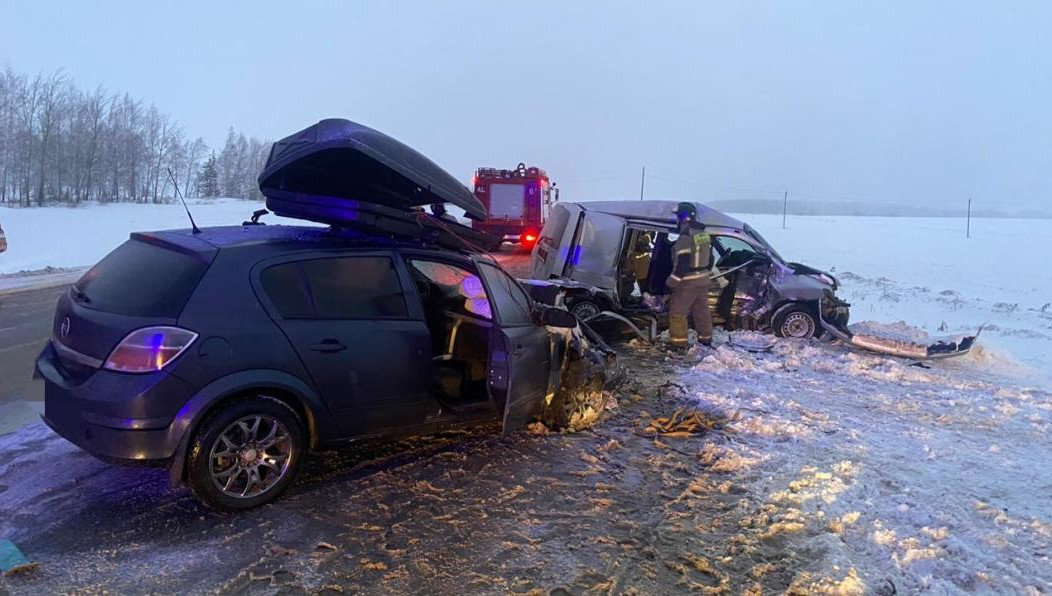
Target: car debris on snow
column 685, row 424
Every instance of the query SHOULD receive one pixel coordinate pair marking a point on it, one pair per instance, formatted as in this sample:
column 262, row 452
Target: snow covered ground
column 881, row 476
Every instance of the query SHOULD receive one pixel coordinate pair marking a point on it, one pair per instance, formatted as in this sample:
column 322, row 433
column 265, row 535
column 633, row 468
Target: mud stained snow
column 815, row 470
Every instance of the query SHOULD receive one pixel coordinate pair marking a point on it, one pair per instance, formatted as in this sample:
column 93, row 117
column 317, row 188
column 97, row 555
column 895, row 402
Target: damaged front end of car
column 583, row 370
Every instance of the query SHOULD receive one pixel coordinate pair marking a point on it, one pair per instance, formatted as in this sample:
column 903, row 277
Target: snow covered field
column 925, row 272
column 77, row 237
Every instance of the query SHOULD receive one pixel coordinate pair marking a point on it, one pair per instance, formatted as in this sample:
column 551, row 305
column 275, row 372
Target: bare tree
column 60, row 144
column 50, row 99
column 194, row 151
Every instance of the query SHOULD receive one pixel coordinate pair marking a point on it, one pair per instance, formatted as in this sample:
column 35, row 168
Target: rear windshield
column 556, row 224
column 140, row 279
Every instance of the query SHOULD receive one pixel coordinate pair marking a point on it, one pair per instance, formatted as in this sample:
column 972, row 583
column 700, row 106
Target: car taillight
column 149, row 349
column 529, row 238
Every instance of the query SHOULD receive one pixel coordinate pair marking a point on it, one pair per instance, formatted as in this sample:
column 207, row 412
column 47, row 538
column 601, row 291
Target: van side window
column 355, row 288
column 286, row 288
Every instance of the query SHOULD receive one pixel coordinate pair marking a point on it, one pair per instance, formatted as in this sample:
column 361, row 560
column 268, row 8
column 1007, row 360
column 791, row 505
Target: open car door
column 520, row 366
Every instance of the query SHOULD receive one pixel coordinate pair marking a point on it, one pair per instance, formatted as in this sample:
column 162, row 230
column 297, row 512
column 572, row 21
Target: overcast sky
column 919, row 102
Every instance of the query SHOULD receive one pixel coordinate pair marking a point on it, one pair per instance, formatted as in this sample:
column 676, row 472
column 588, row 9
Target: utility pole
column 642, row 182
column 968, row 226
column 785, row 205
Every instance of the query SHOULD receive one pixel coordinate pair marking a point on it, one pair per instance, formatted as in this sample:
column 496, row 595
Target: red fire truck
column 517, row 203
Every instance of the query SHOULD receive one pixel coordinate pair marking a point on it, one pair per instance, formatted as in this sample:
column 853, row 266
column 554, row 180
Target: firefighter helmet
column 685, row 210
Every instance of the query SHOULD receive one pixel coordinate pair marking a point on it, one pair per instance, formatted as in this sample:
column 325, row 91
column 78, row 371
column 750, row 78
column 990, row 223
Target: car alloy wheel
column 250, row 456
column 798, row 324
column 584, row 310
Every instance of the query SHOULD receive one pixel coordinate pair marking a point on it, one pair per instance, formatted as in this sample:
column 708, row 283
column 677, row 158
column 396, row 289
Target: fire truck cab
column 517, row 203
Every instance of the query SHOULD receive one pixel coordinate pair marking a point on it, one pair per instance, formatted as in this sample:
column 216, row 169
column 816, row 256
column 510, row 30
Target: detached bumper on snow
column 903, row 348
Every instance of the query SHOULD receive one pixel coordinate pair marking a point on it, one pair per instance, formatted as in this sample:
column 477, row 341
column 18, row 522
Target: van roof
column 660, row 212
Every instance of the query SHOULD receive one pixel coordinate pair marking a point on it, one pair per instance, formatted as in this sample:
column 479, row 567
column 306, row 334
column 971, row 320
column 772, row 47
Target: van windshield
column 763, row 242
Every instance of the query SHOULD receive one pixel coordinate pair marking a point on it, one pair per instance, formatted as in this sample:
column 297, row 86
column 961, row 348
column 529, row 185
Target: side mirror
column 557, row 317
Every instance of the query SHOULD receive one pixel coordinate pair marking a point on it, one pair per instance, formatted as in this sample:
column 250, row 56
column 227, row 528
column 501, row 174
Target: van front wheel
column 795, row 320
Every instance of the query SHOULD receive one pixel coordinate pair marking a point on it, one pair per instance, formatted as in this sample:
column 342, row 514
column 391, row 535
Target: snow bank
column 80, row 236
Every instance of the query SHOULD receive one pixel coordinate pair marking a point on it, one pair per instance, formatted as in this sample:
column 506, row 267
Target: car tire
column 246, row 453
column 580, row 398
column 796, row 321
column 584, row 309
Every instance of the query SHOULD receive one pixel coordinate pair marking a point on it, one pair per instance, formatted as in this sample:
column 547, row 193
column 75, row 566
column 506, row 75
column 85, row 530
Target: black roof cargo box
column 332, row 171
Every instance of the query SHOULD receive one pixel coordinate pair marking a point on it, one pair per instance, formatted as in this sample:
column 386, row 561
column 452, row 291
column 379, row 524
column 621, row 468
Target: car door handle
column 518, row 350
column 328, row 346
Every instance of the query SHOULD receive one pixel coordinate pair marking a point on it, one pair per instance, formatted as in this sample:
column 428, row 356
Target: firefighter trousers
column 690, row 296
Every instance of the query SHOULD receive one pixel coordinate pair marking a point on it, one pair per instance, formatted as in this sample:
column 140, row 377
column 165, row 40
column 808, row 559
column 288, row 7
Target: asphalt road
column 25, row 324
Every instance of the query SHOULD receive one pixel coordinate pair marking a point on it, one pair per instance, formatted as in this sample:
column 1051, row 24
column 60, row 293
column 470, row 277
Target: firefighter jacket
column 691, row 256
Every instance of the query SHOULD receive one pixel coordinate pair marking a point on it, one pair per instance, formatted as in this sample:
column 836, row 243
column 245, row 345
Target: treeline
column 63, row 145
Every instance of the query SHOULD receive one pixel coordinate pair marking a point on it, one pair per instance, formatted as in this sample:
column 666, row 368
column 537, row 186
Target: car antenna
column 193, row 227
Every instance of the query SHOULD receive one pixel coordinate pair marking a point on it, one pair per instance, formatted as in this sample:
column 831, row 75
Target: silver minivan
column 613, row 257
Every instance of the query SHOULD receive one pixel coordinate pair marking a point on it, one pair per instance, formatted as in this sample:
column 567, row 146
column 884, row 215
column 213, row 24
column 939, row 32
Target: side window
column 513, row 305
column 451, row 288
column 286, row 288
column 732, row 244
column 355, row 288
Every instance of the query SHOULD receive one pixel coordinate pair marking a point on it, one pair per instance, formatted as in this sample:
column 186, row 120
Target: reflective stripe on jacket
column 691, row 255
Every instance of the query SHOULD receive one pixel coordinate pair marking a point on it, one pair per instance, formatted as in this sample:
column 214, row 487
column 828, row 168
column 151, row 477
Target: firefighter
column 641, row 260
column 689, row 282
